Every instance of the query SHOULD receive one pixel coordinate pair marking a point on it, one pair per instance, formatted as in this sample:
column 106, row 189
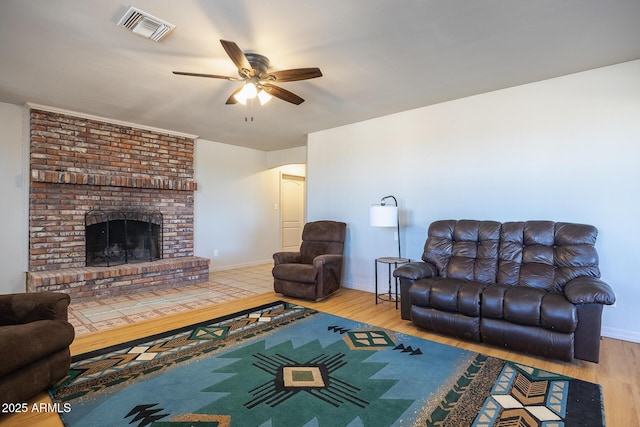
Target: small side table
column 395, row 261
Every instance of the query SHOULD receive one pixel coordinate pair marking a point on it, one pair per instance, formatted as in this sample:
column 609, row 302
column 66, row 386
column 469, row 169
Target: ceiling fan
column 258, row 81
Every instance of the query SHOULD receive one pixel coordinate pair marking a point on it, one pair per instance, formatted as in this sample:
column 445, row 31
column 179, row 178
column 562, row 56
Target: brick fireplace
column 80, row 165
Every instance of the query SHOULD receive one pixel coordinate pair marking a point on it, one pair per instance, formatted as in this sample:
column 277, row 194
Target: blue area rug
column 287, row 365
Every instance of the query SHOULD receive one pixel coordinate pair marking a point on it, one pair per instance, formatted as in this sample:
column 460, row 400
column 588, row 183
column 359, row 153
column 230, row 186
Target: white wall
column 565, row 149
column 13, row 209
column 297, row 155
column 236, row 205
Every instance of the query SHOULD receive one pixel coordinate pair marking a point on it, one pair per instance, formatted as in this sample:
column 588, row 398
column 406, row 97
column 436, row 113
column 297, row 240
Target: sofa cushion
column 26, row 343
column 529, row 306
column 322, row 237
column 557, row 313
column 522, row 305
column 28, row 307
column 420, row 292
column 492, row 306
column 465, row 249
column 546, row 254
column 448, row 323
column 457, row 295
column 538, row 254
column 453, row 295
column 526, row 254
column 529, row 339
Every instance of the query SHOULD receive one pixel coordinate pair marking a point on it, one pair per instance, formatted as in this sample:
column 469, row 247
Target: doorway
column 292, row 214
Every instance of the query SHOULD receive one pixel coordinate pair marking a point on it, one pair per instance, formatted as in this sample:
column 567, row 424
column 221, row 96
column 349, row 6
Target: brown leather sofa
column 34, row 343
column 528, row 286
column 314, row 272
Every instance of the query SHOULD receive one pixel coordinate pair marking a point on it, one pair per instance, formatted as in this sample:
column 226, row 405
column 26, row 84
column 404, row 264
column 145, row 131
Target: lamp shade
column 247, row 92
column 383, row 216
column 264, row 97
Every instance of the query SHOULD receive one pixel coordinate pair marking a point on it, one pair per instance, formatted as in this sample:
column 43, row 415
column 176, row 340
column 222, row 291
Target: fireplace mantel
column 81, row 178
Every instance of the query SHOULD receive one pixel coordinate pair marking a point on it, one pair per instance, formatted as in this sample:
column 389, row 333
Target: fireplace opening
column 122, row 237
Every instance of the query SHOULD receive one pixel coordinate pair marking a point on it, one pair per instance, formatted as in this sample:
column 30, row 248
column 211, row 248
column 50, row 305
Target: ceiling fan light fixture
column 250, row 90
column 247, row 92
column 264, row 97
column 241, row 98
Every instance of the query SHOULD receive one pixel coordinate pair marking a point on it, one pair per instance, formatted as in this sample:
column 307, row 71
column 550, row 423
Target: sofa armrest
column 329, row 268
column 29, row 307
column 416, row 270
column 287, row 258
column 326, row 259
column 589, row 290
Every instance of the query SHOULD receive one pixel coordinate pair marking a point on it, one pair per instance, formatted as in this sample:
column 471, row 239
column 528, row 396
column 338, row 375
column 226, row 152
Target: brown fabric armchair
column 34, row 343
column 315, row 271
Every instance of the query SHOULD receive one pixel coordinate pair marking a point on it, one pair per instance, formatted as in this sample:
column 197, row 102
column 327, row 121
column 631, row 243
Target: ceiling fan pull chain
column 248, row 105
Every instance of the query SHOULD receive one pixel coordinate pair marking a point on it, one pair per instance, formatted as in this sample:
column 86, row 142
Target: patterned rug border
column 175, row 331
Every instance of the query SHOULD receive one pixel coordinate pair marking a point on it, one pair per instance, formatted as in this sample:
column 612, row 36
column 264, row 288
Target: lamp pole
column 398, row 219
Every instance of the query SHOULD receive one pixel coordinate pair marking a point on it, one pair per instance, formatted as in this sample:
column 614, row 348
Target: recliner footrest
column 446, row 323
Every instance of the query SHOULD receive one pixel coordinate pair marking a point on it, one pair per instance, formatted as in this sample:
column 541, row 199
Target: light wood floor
column 618, row 371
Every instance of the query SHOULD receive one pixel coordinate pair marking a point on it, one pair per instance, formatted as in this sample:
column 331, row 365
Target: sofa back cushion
column 464, row 249
column 322, row 238
column 546, row 254
column 539, row 254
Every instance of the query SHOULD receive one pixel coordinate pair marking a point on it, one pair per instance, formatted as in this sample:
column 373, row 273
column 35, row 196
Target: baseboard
column 621, row 334
column 234, row 266
column 357, row 287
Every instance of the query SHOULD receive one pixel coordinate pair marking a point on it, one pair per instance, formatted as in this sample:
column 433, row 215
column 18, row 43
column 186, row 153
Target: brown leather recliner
column 315, row 271
column 34, row 343
column 529, row 286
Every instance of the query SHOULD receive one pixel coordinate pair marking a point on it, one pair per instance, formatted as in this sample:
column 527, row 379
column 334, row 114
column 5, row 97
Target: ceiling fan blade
column 236, row 55
column 294, row 74
column 283, row 94
column 211, row 76
column 232, row 98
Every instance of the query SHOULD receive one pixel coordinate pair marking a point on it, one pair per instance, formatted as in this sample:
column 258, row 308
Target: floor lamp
column 384, row 215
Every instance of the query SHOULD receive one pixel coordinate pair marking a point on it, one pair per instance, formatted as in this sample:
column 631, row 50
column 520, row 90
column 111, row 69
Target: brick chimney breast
column 79, row 164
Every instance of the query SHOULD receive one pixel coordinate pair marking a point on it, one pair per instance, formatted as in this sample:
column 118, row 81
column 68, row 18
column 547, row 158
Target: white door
column 292, row 214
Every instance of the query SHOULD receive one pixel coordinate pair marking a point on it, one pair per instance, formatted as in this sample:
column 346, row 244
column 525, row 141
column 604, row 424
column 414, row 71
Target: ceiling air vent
column 145, row 25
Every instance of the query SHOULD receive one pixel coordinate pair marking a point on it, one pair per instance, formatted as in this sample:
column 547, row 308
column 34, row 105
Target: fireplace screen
column 121, row 237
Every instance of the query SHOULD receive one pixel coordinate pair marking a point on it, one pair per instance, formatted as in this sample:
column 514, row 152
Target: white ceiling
column 378, row 57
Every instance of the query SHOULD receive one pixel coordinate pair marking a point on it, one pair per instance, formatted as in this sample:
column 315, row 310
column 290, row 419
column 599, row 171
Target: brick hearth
column 79, row 164
column 127, row 279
